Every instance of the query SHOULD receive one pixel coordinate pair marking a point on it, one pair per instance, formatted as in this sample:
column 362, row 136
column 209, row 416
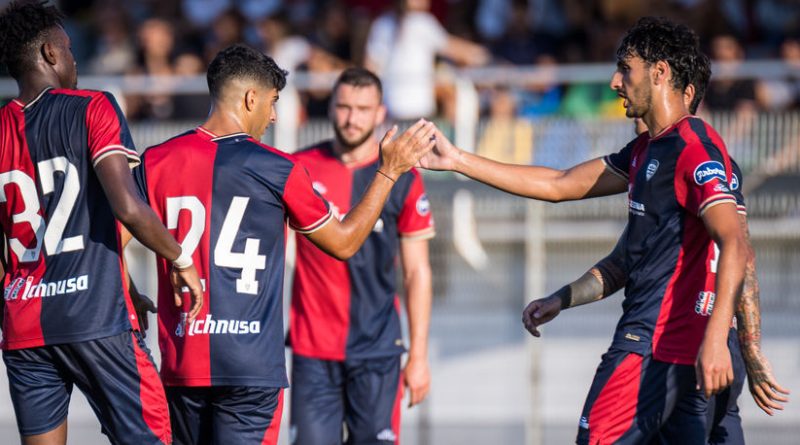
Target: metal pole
column 534, row 288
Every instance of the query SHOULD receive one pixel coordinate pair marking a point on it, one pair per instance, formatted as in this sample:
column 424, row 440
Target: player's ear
column 49, row 51
column 661, row 72
column 250, row 98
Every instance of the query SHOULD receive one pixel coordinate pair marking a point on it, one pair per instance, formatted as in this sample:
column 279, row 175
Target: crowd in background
column 411, row 42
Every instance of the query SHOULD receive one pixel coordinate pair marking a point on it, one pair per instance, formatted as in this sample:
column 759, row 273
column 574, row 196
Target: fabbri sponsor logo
column 637, row 208
column 209, row 326
column 26, row 289
column 705, row 303
column 709, row 170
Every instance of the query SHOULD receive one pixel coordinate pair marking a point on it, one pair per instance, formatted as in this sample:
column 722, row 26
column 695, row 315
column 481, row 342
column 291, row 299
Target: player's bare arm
column 586, row 180
column 137, row 217
column 713, row 365
column 342, row 239
column 768, row 394
column 602, row 280
column 417, row 282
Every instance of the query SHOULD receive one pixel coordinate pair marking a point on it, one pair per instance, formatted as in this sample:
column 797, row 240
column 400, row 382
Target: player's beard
column 639, row 101
column 352, row 143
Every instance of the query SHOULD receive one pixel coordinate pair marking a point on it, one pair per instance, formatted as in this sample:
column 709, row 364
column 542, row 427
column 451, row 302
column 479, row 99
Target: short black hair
column 702, row 75
column 359, row 77
column 657, row 38
column 23, row 28
column 243, row 62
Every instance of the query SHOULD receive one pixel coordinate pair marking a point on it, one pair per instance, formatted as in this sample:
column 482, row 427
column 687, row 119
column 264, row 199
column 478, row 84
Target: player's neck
column 222, row 122
column 356, row 155
column 666, row 114
column 31, row 85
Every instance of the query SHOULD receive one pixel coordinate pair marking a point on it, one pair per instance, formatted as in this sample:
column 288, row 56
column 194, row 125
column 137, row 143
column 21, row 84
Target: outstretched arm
column 603, row 279
column 768, row 394
column 342, row 239
column 140, row 220
column 585, row 180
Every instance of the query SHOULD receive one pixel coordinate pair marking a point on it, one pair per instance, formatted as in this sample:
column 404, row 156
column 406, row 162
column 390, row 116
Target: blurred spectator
column 783, row 94
column 729, row 95
column 402, row 48
column 332, row 32
column 520, row 44
column 202, row 13
column 317, row 100
column 287, row 49
column 156, row 45
column 506, row 138
column 192, row 107
column 226, row 30
column 114, row 51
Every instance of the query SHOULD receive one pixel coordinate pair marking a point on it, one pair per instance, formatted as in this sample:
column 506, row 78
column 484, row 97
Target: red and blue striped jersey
column 673, row 178
column 227, row 200
column 349, row 309
column 64, row 280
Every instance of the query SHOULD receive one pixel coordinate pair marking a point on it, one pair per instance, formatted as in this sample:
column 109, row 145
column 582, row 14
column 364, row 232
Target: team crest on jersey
column 423, row 206
column 734, row 182
column 651, row 169
column 705, row 303
column 709, row 170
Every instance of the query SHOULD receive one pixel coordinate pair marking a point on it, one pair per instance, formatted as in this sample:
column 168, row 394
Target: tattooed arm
column 766, row 391
column 603, row 279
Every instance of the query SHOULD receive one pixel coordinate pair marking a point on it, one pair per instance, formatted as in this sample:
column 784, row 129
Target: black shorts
column 633, row 396
column 116, row 374
column 223, row 415
column 364, row 394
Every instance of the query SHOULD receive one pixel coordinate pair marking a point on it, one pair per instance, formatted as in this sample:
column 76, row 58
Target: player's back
column 227, row 199
column 64, row 280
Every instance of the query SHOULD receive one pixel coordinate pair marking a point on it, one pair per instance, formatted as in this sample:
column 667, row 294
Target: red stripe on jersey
column 319, row 326
column 271, row 435
column 415, row 219
column 155, row 411
column 105, row 128
column 186, row 358
column 126, row 292
column 22, row 326
column 613, row 412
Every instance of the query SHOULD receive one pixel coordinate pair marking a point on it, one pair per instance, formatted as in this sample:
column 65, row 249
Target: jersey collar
column 213, row 137
column 35, row 99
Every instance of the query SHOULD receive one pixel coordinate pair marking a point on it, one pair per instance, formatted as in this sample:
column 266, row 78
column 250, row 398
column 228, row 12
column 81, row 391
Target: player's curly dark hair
column 23, row 28
column 243, row 62
column 656, row 38
column 702, row 75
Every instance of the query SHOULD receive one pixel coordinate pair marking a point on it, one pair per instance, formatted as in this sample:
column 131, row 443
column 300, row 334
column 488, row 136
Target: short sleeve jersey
column 64, row 274
column 227, row 200
column 673, row 179
column 349, row 309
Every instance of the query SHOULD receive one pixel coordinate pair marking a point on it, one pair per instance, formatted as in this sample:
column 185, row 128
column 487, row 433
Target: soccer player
column 344, row 325
column 64, row 177
column 679, row 207
column 228, row 197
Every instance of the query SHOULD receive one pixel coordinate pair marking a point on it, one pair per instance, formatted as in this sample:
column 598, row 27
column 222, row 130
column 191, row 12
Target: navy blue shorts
column 632, row 397
column 116, row 374
column 723, row 423
column 364, row 394
column 225, row 414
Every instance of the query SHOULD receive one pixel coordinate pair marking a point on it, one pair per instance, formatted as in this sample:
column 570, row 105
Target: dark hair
column 359, row 77
column 656, row 38
column 23, row 28
column 243, row 62
column 702, row 74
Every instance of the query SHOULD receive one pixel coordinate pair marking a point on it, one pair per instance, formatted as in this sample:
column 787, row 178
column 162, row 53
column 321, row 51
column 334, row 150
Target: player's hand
column 142, row 304
column 766, row 391
column 539, row 312
column 188, row 278
column 417, row 379
column 713, row 367
column 399, row 155
column 444, row 156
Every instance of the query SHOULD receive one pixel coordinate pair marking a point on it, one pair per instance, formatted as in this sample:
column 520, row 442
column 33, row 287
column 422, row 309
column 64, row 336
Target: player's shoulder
column 92, row 95
column 188, row 138
column 319, row 150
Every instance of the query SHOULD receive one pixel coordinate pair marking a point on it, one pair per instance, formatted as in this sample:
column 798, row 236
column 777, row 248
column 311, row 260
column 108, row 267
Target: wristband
column 184, row 261
column 387, row 176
